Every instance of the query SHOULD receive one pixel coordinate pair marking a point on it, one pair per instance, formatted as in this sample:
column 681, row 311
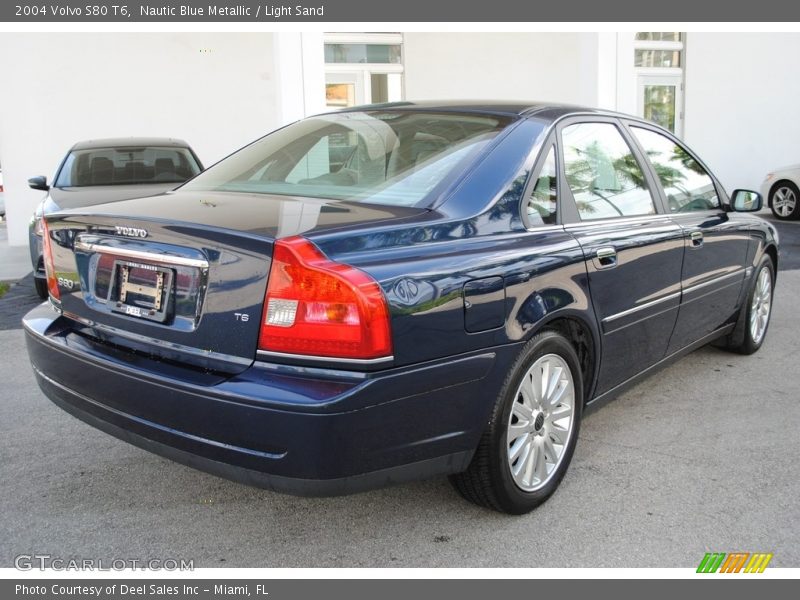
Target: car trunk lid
column 191, row 293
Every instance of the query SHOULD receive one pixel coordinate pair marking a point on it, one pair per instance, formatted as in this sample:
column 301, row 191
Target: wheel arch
column 772, row 251
column 584, row 337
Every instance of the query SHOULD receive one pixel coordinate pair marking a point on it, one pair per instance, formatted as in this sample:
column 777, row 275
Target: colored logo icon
column 735, row 562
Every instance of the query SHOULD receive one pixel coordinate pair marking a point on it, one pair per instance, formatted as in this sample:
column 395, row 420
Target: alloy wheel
column 784, row 201
column 761, row 305
column 541, row 422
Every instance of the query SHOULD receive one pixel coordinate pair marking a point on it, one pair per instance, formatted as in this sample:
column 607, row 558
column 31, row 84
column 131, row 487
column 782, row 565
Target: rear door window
column 603, row 174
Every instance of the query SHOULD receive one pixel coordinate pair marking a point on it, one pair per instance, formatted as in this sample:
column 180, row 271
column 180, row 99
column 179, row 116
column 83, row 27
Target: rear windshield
column 127, row 166
column 382, row 157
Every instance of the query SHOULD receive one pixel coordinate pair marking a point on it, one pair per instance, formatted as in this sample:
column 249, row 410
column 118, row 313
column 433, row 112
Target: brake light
column 318, row 307
column 1, row 188
column 49, row 266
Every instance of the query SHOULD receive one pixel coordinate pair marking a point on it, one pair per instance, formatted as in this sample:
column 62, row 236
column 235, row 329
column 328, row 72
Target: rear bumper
column 289, row 429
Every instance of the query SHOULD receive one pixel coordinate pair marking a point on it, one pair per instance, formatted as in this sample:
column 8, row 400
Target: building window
column 658, row 59
column 659, row 36
column 362, row 53
column 363, row 68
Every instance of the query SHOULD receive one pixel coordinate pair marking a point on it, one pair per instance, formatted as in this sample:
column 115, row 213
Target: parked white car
column 781, row 189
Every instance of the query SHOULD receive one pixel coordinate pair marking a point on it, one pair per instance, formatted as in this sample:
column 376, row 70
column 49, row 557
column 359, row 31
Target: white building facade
column 731, row 96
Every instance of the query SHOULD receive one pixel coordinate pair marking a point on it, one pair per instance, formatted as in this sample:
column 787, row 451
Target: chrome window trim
column 538, row 228
column 655, row 217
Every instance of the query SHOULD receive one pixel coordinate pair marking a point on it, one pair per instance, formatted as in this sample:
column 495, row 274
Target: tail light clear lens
column 318, row 307
column 49, row 266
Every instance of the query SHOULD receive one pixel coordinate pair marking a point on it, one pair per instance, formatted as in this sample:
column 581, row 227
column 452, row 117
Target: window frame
column 538, row 164
column 568, row 207
column 722, row 195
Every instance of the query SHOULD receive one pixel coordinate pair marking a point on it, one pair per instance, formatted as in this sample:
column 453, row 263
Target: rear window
column 382, row 157
column 127, row 166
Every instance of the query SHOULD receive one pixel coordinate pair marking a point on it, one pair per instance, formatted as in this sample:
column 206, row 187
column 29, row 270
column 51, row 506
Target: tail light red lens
column 318, row 307
column 49, row 266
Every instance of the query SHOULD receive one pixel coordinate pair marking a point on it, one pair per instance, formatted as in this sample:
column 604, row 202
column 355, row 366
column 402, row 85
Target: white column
column 626, row 73
column 299, row 65
column 607, row 65
column 288, row 69
column 313, row 73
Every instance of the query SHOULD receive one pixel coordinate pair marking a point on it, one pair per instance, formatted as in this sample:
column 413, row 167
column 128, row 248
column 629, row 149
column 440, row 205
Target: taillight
column 49, row 266
column 1, row 188
column 318, row 307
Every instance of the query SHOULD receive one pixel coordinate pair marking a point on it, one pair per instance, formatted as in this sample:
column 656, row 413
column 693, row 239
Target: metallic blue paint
column 467, row 285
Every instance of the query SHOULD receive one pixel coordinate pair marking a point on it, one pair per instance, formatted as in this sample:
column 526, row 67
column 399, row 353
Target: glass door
column 343, row 90
column 660, row 100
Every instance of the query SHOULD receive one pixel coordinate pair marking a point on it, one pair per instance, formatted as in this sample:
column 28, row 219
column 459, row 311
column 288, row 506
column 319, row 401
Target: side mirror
column 746, row 201
column 38, row 183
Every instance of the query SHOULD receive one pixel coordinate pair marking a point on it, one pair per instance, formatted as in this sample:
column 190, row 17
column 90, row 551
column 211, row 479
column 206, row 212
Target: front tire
column 754, row 316
column 784, row 200
column 532, row 432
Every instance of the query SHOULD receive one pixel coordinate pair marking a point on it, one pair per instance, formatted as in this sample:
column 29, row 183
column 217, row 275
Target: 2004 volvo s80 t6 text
column 399, row 291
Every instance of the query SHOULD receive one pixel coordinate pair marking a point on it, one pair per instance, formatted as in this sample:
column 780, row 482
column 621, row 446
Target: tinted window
column 127, row 166
column 378, row 156
column 687, row 185
column 542, row 203
column 603, row 174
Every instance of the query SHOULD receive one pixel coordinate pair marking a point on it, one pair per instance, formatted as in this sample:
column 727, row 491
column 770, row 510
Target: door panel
column 713, row 273
column 633, row 251
column 636, row 301
column 715, row 242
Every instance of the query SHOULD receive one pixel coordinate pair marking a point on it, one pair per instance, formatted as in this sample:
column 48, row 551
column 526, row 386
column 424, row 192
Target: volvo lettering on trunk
column 137, row 232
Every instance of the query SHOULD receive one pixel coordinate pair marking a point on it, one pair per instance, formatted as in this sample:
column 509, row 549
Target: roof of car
column 130, row 142
column 548, row 110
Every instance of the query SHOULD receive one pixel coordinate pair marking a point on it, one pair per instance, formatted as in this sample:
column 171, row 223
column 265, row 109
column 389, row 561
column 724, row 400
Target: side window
column 603, row 174
column 542, row 202
column 686, row 183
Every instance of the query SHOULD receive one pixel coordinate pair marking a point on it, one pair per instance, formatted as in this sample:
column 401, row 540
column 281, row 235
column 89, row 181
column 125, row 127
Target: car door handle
column 605, row 258
column 696, row 237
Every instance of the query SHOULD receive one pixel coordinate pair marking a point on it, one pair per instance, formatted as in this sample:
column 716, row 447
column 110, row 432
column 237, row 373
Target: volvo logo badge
column 131, row 231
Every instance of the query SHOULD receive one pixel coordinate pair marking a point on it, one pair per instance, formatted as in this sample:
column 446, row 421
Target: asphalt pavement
column 701, row 457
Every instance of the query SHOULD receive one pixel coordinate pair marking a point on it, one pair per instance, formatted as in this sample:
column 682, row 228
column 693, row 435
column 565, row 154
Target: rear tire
column 41, row 288
column 532, row 432
column 753, row 322
column 784, row 200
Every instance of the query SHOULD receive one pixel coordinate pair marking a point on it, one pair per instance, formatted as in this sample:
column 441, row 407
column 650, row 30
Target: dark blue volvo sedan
column 399, row 291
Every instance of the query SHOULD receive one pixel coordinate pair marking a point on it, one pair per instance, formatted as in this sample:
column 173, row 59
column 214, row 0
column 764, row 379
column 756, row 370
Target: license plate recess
column 141, row 290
